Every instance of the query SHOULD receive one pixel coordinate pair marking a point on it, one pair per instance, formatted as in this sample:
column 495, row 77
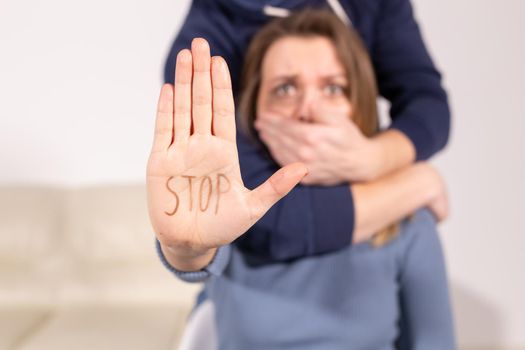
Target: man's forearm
column 390, row 198
column 395, row 151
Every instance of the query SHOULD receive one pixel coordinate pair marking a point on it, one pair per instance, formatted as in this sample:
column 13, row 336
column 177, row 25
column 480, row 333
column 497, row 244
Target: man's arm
column 209, row 19
column 390, row 198
column 408, row 78
column 311, row 218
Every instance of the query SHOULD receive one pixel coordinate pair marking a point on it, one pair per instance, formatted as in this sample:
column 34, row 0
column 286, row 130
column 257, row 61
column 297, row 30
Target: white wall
column 479, row 46
column 79, row 83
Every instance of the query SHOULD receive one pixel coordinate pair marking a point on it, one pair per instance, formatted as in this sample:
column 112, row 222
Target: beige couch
column 78, row 270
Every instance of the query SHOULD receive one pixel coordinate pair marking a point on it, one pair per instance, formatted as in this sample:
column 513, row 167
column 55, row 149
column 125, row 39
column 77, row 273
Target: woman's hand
column 196, row 198
column 333, row 149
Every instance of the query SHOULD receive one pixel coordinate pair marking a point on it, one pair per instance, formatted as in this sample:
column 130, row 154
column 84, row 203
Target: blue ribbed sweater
column 360, row 297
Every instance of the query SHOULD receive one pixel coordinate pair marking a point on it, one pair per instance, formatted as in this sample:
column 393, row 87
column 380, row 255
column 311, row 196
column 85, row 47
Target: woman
column 198, row 203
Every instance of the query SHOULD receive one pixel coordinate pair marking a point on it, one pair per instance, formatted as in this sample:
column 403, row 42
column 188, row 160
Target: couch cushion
column 109, row 224
column 31, row 259
column 110, row 327
column 30, row 224
column 110, row 247
column 132, row 282
column 17, row 323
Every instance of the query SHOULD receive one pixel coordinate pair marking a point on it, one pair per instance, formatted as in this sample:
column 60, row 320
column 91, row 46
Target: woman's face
column 302, row 78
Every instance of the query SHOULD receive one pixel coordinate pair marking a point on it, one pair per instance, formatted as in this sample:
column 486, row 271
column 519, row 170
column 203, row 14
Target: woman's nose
column 304, row 110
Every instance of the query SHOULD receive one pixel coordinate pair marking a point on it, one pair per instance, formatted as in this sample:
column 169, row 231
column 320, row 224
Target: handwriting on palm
column 196, row 196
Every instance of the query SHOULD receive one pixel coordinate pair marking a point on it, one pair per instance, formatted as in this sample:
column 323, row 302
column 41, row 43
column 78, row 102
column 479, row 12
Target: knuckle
column 181, row 110
column 267, row 139
column 200, row 99
column 222, row 112
column 263, row 137
column 162, row 131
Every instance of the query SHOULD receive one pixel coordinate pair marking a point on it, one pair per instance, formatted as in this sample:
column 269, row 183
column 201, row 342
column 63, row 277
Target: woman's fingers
column 202, row 92
column 276, row 187
column 223, row 105
column 182, row 96
column 164, row 120
column 202, row 85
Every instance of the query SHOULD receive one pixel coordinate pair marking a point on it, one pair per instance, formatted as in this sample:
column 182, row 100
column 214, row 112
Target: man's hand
column 333, row 149
column 439, row 204
column 196, row 198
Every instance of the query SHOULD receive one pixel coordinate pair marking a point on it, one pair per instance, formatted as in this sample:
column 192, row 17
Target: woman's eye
column 334, row 90
column 283, row 90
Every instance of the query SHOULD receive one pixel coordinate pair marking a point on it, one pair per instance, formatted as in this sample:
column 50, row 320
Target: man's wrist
column 369, row 163
column 378, row 159
column 391, row 150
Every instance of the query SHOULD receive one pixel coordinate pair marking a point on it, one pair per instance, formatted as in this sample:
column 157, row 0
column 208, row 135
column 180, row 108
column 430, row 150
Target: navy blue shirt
column 313, row 220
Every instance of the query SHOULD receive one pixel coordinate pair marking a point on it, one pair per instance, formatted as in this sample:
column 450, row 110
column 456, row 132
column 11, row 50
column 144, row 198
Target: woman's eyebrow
column 284, row 77
column 334, row 76
column 293, row 77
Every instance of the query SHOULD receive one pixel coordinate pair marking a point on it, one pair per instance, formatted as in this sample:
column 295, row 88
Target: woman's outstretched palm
column 196, row 196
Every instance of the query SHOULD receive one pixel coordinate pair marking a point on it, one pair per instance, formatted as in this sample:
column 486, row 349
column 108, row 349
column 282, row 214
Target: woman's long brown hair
column 352, row 55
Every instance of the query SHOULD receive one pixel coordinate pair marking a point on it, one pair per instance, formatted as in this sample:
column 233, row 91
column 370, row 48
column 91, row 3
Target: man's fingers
column 273, row 138
column 164, row 120
column 282, row 148
column 276, row 187
column 293, row 133
column 202, row 92
column 182, row 96
column 292, row 129
column 223, row 105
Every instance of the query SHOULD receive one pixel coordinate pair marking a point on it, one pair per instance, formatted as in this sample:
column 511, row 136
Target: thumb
column 276, row 187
